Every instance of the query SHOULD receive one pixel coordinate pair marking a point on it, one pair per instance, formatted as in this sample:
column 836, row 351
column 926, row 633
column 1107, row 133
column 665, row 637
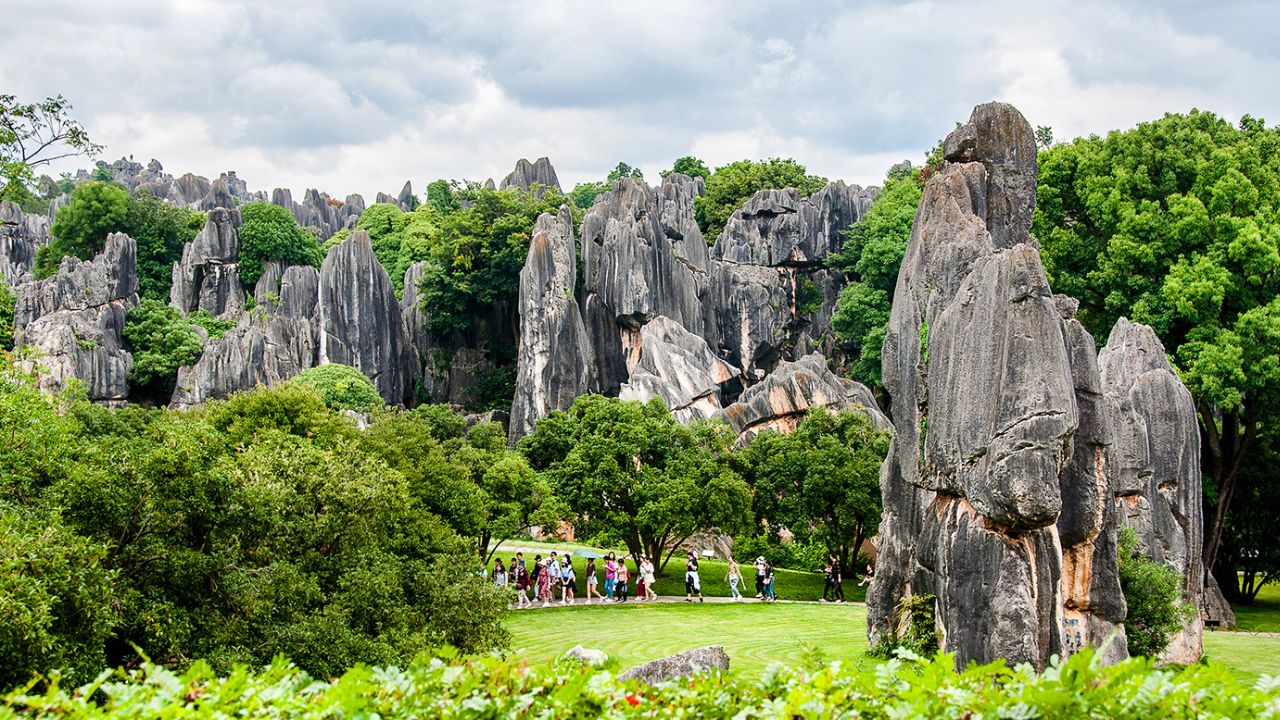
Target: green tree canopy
column 584, row 194
column 400, row 239
column 81, row 228
column 730, row 186
column 33, row 135
column 871, row 257
column 342, row 387
column 269, row 232
column 629, row 472
column 1176, row 224
column 161, row 341
column 8, row 302
column 441, row 198
column 821, row 481
column 691, row 166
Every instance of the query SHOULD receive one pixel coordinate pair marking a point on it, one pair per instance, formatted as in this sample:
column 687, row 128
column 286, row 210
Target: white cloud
column 357, row 97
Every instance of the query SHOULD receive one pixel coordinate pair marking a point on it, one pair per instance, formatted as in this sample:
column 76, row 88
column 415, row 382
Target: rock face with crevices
column 361, row 321
column 21, row 237
column 527, row 174
column 1156, row 463
column 554, row 361
column 208, row 275
column 674, row 364
column 75, row 320
column 998, row 500
column 689, row 662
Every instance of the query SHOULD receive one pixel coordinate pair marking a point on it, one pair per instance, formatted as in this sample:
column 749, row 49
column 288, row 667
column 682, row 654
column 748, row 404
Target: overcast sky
column 358, row 96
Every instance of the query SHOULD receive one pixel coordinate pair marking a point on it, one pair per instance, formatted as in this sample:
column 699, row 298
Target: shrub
column 212, row 325
column 162, row 341
column 735, row 183
column 342, row 387
column 7, row 304
column 1153, row 592
column 913, row 629
column 269, row 232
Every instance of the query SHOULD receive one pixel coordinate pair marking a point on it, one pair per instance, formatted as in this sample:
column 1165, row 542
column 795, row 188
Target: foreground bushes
column 492, row 688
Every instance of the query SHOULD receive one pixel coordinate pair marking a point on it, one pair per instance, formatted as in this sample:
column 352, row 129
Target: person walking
column 870, row 577
column 544, row 583
column 620, row 578
column 567, row 579
column 641, row 587
column 734, row 576
column 592, row 581
column 837, row 576
column 522, row 585
column 759, row 565
column 770, row 593
column 499, row 573
column 692, row 583
column 553, row 567
column 829, row 582
column 610, row 573
column 649, row 579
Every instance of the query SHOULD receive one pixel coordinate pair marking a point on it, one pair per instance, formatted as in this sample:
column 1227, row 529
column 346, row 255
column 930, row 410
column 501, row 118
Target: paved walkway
column 675, row 599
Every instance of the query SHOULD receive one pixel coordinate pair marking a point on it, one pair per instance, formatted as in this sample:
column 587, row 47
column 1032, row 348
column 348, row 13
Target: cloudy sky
column 353, row 96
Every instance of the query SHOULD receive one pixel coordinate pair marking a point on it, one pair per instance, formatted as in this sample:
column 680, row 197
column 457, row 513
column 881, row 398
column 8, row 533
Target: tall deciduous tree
column 735, row 183
column 631, row 473
column 270, row 232
column 33, row 135
column 1176, row 224
column 821, row 481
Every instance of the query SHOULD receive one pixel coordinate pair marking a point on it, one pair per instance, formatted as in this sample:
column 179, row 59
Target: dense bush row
column 493, row 688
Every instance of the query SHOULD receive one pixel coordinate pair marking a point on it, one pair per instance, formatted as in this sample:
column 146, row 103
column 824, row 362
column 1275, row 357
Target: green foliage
column 871, row 256
column 33, row 135
column 691, row 166
column 8, row 302
column 624, row 170
column 342, row 387
column 161, row 341
column 1176, row 224
column 400, row 239
column 477, row 255
column 821, row 481
column 269, row 232
column 808, row 296
column 730, row 186
column 81, row 228
column 584, row 195
column 99, row 209
column 1044, row 137
column 1250, row 557
column 441, row 198
column 447, row 686
column 494, row 390
column 1153, row 593
column 807, row 556
column 213, row 325
column 630, row 471
column 55, row 599
column 913, row 629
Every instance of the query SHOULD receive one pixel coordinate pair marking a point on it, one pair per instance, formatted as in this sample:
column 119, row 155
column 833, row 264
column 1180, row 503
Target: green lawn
column 790, row 584
column 1263, row 615
column 753, row 634
column 1247, row 656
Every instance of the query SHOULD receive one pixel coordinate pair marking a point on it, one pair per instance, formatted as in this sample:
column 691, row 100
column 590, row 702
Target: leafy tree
column 691, row 166
column 399, row 239
column 1174, row 224
column 629, row 471
column 730, row 186
column 494, row 390
column 823, row 480
column 1044, row 136
column 440, row 197
column 342, row 387
column 477, row 256
column 81, row 228
column 1152, row 592
column 871, row 257
column 584, row 194
column 160, row 231
column 624, row 170
column 7, row 305
column 33, row 135
column 270, row 232
column 161, row 341
column 1249, row 549
column 215, row 326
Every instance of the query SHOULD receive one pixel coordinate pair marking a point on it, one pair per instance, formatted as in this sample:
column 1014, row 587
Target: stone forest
column 1022, row 438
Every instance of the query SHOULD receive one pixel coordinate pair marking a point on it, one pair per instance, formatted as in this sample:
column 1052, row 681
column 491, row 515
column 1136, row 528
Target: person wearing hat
column 760, row 565
column 692, row 584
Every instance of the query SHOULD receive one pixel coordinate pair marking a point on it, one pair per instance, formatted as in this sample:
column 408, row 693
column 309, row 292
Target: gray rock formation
column 219, row 197
column 587, row 656
column 528, row 174
column 208, row 275
column 415, row 331
column 1156, row 463
column 318, row 212
column 631, row 274
column 188, row 190
column 777, row 227
column 674, row 364
column 995, row 486
column 21, row 237
column 780, row 402
column 74, row 321
column 554, row 361
column 689, row 662
column 749, row 319
column 361, row 322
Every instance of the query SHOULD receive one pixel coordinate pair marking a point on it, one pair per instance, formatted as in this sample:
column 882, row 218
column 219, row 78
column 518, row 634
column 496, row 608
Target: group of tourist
column 553, row 580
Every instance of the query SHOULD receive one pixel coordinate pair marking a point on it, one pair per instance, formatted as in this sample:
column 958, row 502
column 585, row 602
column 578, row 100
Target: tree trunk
column 1224, row 451
column 485, row 537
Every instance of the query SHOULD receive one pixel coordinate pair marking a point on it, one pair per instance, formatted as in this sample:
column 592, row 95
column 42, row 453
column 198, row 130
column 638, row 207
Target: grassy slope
column 1263, row 615
column 753, row 634
column 791, row 584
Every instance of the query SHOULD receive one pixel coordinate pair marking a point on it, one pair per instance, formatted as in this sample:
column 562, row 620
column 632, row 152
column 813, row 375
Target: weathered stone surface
column 527, row 174
column 677, row 366
column 264, row 349
column 630, row 276
column 689, row 662
column 21, row 237
column 748, row 315
column 782, row 399
column 74, row 320
column 361, row 322
column 465, row 368
column 208, row 275
column 1217, row 611
column 1157, row 463
column 415, row 331
column 219, row 196
column 677, row 216
column 188, row 190
column 778, row 227
column 554, row 361
column 587, row 656
column 997, row 497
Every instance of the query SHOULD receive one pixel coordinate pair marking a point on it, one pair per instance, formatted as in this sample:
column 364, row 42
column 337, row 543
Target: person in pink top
column 610, row 575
